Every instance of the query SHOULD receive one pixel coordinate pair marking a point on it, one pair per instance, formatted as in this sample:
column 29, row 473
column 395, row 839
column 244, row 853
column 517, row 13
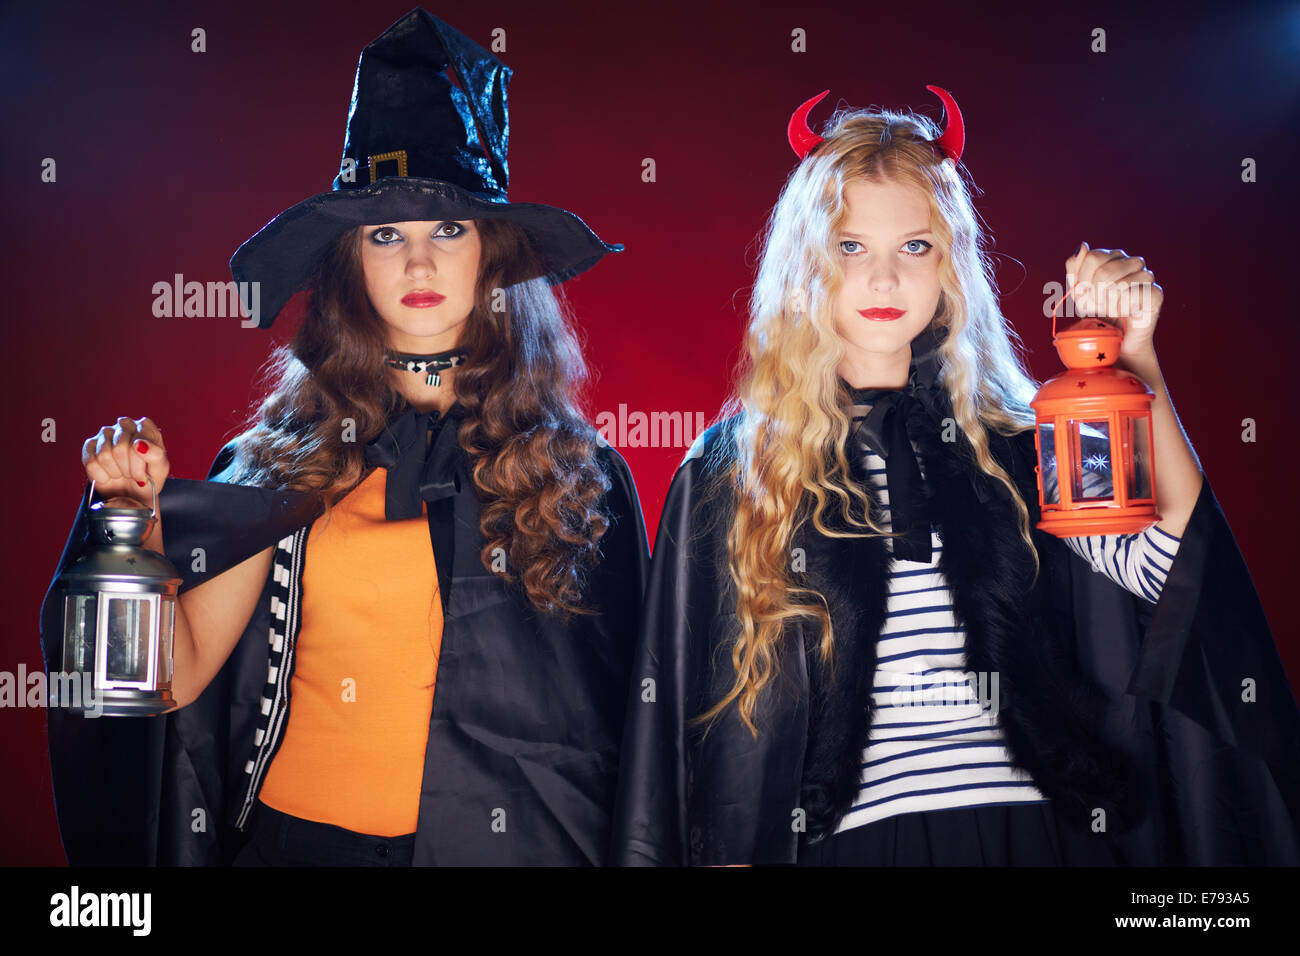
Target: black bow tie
column 415, row 476
column 896, row 417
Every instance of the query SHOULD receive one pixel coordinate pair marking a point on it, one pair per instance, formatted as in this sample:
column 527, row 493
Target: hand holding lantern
column 119, row 597
column 1109, row 283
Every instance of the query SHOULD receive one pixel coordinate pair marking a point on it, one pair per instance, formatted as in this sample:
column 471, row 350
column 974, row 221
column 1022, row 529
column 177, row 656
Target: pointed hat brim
column 282, row 256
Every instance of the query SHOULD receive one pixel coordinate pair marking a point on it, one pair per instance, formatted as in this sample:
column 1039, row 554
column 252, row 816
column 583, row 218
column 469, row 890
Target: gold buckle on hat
column 397, row 154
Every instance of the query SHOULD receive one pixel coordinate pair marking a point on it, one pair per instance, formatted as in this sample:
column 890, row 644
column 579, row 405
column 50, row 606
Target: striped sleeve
column 1139, row 563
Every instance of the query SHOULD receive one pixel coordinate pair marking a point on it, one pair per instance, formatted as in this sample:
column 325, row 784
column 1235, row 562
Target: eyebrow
column 919, row 232
column 440, row 222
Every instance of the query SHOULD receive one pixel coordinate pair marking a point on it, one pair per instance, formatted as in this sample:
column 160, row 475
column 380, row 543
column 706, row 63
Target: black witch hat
column 418, row 147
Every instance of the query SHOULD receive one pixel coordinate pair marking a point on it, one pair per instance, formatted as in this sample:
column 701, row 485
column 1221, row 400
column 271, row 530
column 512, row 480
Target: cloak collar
column 417, row 475
column 923, row 386
column 894, row 419
column 897, row 418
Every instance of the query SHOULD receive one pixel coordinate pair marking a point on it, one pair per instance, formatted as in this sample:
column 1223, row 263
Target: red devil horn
column 803, row 139
column 953, row 139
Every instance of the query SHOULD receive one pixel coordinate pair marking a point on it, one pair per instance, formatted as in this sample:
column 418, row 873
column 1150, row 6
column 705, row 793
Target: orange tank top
column 366, row 661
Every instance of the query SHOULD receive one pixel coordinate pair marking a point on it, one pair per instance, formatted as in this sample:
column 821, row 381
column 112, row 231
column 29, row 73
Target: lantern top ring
column 1123, row 323
column 99, row 505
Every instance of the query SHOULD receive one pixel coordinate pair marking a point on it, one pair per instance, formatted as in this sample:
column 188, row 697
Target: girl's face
column 891, row 262
column 421, row 278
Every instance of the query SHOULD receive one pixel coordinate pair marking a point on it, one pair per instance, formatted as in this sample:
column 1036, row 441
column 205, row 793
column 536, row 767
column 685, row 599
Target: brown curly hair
column 532, row 452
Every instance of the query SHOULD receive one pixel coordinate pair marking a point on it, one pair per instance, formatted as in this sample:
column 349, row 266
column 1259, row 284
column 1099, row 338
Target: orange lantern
column 1094, row 426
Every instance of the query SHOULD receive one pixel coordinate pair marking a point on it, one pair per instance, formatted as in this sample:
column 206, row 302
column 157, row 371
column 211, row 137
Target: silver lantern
column 119, row 613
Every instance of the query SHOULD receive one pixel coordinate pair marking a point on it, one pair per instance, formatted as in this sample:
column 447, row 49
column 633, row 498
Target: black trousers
column 1017, row 834
column 278, row 839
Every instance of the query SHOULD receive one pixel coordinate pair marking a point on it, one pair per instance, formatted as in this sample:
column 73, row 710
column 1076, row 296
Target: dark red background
column 168, row 159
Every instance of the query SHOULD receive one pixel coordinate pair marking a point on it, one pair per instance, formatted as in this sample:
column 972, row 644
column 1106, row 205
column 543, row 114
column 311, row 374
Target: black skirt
column 1015, row 834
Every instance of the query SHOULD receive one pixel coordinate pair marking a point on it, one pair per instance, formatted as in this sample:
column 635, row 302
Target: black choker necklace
column 432, row 364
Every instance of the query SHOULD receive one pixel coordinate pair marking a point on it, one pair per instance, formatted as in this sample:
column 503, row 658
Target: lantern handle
column 1122, row 324
column 154, row 488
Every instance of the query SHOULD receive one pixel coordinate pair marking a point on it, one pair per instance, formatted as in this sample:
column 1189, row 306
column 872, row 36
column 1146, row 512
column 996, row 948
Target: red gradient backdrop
column 167, row 159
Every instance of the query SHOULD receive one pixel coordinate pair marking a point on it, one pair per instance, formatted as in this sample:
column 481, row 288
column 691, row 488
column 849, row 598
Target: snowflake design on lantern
column 1096, row 462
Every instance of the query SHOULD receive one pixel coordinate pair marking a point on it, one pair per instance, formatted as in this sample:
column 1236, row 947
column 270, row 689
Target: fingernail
column 142, row 447
column 140, row 483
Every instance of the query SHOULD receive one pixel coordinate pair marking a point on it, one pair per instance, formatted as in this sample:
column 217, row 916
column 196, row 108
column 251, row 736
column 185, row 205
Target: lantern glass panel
column 167, row 620
column 128, row 639
column 79, row 633
column 1139, row 443
column 1090, row 478
column 1047, row 462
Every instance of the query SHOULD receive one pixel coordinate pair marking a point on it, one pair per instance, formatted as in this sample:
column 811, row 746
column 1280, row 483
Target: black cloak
column 1176, row 719
column 527, row 715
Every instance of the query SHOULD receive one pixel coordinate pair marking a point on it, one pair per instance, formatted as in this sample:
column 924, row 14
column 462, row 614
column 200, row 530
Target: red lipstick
column 422, row 300
column 881, row 315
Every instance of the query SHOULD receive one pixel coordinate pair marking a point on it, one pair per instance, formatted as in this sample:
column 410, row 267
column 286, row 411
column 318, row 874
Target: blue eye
column 844, row 244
